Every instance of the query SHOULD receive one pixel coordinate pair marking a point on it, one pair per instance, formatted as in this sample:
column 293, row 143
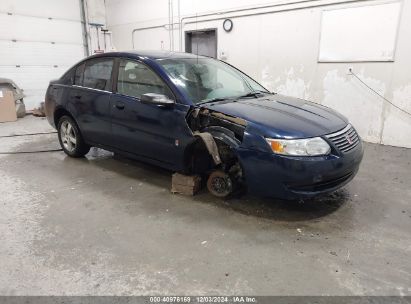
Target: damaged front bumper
column 270, row 175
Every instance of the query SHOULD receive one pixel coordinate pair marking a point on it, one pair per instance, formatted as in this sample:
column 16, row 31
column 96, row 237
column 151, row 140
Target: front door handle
column 77, row 97
column 119, row 105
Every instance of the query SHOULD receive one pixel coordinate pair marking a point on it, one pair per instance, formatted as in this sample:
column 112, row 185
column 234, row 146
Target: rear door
column 90, row 99
column 147, row 130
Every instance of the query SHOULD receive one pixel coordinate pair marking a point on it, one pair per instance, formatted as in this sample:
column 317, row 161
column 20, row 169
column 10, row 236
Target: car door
column 143, row 129
column 90, row 99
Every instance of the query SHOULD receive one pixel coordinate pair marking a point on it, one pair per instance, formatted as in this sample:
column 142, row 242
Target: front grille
column 345, row 140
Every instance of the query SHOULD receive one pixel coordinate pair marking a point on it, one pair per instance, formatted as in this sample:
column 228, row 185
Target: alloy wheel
column 68, row 136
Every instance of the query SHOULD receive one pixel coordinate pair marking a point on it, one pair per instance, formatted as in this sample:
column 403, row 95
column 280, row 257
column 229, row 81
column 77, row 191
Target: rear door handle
column 119, row 105
column 77, row 97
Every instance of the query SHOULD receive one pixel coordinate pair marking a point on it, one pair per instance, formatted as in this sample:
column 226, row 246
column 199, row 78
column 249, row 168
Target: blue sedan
column 197, row 115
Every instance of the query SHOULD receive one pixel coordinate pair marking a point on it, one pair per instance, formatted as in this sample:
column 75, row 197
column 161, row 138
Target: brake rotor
column 219, row 184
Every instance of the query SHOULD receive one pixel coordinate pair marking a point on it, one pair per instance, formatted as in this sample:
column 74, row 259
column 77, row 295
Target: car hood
column 280, row 116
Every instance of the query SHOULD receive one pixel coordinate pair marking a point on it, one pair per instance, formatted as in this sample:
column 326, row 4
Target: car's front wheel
column 220, row 184
column 70, row 138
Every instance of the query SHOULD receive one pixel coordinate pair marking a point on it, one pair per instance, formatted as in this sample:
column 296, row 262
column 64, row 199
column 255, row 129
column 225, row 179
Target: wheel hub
column 219, row 184
column 68, row 136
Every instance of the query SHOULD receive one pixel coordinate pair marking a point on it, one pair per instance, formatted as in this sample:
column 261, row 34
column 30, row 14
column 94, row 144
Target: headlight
column 299, row 147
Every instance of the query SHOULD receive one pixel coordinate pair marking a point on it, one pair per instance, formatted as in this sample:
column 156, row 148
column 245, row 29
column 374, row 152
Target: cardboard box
column 185, row 184
column 7, row 106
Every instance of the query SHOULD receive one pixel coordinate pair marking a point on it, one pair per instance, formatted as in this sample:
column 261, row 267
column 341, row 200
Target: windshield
column 206, row 79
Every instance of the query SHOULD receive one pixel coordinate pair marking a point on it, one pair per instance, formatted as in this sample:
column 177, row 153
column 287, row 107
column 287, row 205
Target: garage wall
column 280, row 48
column 98, row 37
column 39, row 41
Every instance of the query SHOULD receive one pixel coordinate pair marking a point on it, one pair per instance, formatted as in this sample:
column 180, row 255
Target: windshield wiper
column 211, row 100
column 254, row 94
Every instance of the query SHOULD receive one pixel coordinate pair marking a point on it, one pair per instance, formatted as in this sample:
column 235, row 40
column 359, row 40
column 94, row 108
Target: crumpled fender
column 210, row 144
column 225, row 135
column 210, row 134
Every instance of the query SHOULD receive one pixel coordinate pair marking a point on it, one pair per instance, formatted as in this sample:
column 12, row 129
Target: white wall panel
column 64, row 9
column 96, row 11
column 39, row 29
column 33, row 79
column 39, row 53
column 366, row 33
column 39, row 40
column 25, row 74
column 153, row 39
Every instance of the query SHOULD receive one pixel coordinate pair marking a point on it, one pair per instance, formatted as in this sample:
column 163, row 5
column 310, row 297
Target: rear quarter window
column 97, row 74
column 68, row 78
column 78, row 75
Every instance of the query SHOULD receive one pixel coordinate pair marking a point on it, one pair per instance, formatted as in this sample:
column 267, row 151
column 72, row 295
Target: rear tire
column 70, row 138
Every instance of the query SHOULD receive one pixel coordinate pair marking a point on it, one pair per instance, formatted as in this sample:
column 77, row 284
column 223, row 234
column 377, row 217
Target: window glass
column 135, row 79
column 229, row 78
column 205, row 79
column 78, row 76
column 97, row 74
column 68, row 77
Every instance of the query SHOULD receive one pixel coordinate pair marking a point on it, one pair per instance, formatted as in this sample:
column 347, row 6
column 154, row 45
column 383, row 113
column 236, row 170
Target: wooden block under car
column 185, row 184
column 7, row 106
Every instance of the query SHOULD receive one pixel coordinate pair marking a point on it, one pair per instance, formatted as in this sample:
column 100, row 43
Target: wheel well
column 60, row 112
column 199, row 161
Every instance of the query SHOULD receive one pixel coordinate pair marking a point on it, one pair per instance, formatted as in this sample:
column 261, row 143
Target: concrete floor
column 104, row 226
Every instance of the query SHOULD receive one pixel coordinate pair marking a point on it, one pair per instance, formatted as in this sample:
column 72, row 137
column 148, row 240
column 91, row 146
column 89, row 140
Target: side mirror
column 157, row 99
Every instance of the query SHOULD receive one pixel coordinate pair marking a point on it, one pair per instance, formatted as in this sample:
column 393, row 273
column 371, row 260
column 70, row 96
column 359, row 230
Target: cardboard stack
column 185, row 184
column 7, row 106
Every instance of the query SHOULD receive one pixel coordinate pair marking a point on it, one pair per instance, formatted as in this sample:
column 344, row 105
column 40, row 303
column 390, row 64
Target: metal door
column 202, row 42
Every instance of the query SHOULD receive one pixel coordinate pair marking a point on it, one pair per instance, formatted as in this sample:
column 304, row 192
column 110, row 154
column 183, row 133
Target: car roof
column 153, row 55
